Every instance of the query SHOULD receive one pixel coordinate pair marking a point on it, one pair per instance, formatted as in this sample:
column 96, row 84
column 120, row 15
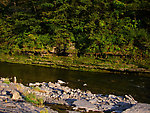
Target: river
column 101, row 83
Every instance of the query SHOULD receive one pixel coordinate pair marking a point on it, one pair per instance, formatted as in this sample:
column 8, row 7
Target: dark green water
column 102, row 83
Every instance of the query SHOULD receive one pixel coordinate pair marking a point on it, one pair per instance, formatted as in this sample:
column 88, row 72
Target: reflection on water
column 137, row 86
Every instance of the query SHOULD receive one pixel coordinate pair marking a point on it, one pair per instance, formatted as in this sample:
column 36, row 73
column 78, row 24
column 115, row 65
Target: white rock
column 71, row 93
column 131, row 99
column 37, row 84
column 15, row 80
column 112, row 96
column 31, row 84
column 61, row 82
column 84, row 84
column 51, row 84
column 57, row 85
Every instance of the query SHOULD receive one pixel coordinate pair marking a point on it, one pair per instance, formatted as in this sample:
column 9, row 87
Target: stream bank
column 80, row 64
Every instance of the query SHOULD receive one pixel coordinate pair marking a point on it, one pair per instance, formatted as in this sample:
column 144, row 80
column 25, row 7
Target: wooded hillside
column 93, row 26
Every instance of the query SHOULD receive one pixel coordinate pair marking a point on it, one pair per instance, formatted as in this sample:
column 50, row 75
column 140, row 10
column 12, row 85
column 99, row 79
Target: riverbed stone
column 123, row 105
column 1, row 81
column 1, row 89
column 131, row 99
column 107, row 107
column 50, row 84
column 84, row 104
column 139, row 108
column 1, row 99
column 112, row 96
column 3, row 92
column 61, row 82
column 65, row 96
column 4, row 85
column 15, row 95
column 70, row 101
column 66, row 89
column 93, row 101
column 119, row 98
column 111, row 103
column 74, row 112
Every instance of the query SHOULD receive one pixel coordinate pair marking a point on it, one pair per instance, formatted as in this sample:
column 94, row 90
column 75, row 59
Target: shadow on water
column 103, row 83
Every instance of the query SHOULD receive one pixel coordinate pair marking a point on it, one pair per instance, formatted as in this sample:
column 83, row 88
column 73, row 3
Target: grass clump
column 36, row 88
column 31, row 97
column 44, row 111
column 6, row 80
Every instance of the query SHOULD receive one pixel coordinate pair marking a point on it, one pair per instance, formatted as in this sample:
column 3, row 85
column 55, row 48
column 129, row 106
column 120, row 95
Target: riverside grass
column 31, row 97
column 90, row 64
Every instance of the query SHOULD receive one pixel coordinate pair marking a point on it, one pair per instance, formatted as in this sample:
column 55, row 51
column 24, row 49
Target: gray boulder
column 84, row 104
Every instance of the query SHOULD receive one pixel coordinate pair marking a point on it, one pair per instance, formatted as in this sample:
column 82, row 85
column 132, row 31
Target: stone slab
column 139, row 108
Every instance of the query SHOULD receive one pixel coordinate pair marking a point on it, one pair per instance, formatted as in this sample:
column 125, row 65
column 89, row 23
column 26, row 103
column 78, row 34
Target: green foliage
column 36, row 88
column 96, row 26
column 44, row 111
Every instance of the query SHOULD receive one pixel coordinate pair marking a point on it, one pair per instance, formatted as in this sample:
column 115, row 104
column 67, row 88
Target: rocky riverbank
column 38, row 97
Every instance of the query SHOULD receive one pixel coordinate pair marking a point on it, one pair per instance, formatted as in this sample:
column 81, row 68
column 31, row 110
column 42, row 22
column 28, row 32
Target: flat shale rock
column 21, row 107
column 139, row 108
column 84, row 104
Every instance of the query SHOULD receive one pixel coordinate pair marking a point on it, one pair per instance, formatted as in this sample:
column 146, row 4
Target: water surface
column 102, row 83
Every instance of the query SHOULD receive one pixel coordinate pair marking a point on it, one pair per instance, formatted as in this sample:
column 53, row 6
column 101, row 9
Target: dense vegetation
column 117, row 27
